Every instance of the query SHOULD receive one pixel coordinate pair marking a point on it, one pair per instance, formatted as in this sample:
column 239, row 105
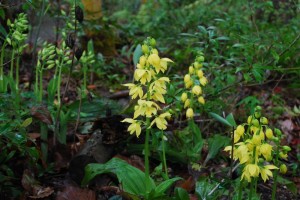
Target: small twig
column 78, row 113
column 278, row 82
column 286, row 49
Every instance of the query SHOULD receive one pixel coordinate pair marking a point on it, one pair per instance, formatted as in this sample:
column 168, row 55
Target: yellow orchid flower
column 135, row 90
column 160, row 121
column 134, row 126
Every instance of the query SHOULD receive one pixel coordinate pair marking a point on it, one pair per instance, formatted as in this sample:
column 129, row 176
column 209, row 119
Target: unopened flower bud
column 153, row 42
column 269, row 133
column 257, row 109
column 240, row 130
column 283, row 155
column 264, row 120
column 283, row 168
column 255, row 122
column 249, row 120
column 191, row 70
column 275, row 139
column 200, row 59
column 142, row 61
column 203, row 81
column 183, row 97
column 277, row 132
column 257, row 114
column 187, row 78
column 145, row 49
column 186, row 103
column 286, row 148
column 201, row 100
column 154, row 51
column 200, row 74
column 79, row 14
column 78, row 53
column 189, row 113
column 197, row 90
column 197, row 65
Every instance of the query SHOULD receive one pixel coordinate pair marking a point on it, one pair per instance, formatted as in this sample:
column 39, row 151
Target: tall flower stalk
column 16, row 38
column 149, row 88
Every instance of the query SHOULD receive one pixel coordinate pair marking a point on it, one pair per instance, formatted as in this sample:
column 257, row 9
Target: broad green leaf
column 231, row 120
column 137, row 54
column 162, row 187
column 131, row 178
column 220, row 119
column 181, row 194
column 215, row 144
column 289, row 184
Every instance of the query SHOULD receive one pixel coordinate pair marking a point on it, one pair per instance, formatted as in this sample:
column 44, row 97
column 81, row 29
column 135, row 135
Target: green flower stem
column 85, row 69
column 36, row 85
column 58, row 85
column 44, row 141
column 17, row 81
column 251, row 189
column 40, row 94
column 252, row 184
column 240, row 190
column 274, row 187
column 1, row 68
column 147, row 171
column 147, row 152
column 164, row 156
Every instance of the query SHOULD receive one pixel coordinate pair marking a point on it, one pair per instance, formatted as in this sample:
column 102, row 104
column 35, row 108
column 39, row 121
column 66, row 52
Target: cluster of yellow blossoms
column 254, row 148
column 149, row 89
column 194, row 81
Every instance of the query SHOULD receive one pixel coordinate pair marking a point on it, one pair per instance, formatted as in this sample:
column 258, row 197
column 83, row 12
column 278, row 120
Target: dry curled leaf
column 42, row 114
column 71, row 192
column 42, row 192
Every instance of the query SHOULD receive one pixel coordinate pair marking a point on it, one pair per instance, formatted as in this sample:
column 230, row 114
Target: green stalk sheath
column 58, row 85
column 84, row 80
column 44, row 139
column 17, row 73
column 11, row 73
column 240, row 190
column 40, row 97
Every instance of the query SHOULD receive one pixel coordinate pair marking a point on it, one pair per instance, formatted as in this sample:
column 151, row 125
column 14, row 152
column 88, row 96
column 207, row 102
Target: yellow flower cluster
column 254, row 149
column 194, row 81
column 149, row 88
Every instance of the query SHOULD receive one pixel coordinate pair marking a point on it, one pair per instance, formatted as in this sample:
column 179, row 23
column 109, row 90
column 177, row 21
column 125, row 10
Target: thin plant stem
column 17, row 81
column 147, row 171
column 253, row 182
column 231, row 160
column 164, row 156
column 1, row 68
column 274, row 187
column 240, row 190
column 40, row 95
column 11, row 73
